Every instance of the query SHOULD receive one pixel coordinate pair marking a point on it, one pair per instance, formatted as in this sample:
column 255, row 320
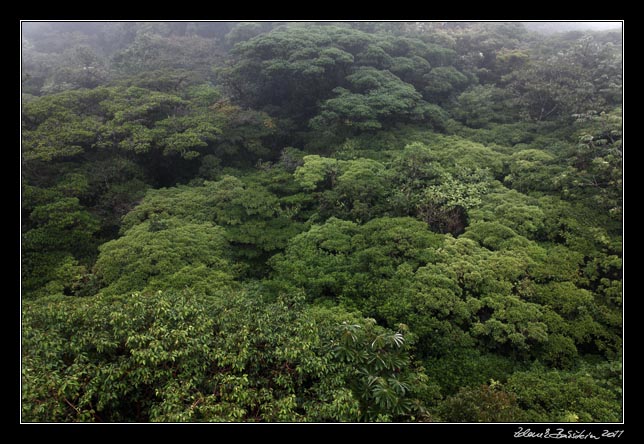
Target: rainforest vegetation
column 320, row 222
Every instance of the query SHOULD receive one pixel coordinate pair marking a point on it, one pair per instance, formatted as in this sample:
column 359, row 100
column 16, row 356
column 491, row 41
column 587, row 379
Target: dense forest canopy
column 321, row 222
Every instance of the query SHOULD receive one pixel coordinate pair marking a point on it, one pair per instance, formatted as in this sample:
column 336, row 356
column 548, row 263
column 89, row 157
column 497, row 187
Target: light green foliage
column 454, row 152
column 165, row 253
column 444, row 206
column 533, row 170
column 515, row 210
column 486, row 306
column 452, row 192
column 528, row 290
column 481, row 271
column 350, row 189
column 254, row 220
column 494, row 235
column 343, row 258
column 317, row 172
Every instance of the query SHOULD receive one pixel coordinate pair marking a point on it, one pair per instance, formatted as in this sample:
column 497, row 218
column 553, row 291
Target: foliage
column 556, row 396
column 280, row 222
column 444, row 207
column 485, row 403
column 381, row 380
column 343, row 258
column 169, row 254
column 297, row 69
column 481, row 105
column 175, row 356
column 254, row 221
column 373, row 97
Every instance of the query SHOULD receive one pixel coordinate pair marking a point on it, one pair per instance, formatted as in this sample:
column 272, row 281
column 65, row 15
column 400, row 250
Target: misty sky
column 551, row 27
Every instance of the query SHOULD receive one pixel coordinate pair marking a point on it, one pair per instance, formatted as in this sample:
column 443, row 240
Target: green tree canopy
column 175, row 356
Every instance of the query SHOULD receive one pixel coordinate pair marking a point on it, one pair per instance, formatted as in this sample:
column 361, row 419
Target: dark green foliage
column 61, row 233
column 468, row 367
column 581, row 76
column 597, row 159
column 480, row 105
column 342, row 79
column 140, row 121
column 485, row 403
column 60, row 224
column 374, row 97
column 101, row 359
column 279, row 222
column 382, row 381
column 443, row 81
column 149, row 52
column 558, row 396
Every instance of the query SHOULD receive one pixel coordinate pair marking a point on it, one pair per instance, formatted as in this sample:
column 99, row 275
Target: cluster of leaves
column 179, row 356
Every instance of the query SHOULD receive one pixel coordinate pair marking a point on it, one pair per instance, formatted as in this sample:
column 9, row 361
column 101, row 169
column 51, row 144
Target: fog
column 555, row 27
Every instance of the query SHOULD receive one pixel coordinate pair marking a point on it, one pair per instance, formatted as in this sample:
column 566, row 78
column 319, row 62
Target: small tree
column 383, row 379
